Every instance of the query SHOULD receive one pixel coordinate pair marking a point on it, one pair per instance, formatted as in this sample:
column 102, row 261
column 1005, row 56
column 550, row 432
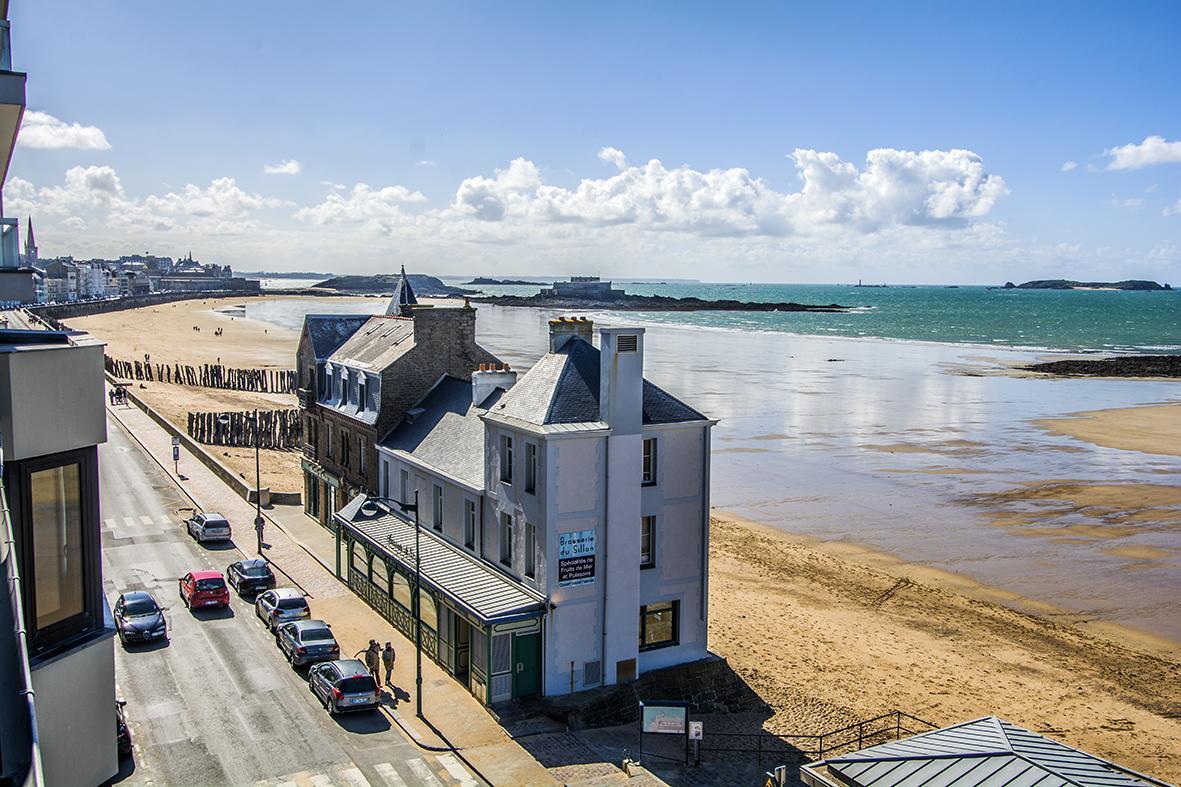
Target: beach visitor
column 387, row 661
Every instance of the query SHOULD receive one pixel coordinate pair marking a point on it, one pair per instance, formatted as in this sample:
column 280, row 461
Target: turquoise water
column 1077, row 321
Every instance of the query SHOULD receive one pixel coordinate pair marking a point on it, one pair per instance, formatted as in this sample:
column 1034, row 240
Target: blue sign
column 576, row 558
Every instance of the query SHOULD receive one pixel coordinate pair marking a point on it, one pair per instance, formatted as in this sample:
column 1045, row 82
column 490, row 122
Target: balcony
column 9, row 249
column 306, row 397
column 12, row 101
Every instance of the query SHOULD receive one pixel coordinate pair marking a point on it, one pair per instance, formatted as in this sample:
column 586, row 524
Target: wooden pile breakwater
column 278, row 429
column 207, row 375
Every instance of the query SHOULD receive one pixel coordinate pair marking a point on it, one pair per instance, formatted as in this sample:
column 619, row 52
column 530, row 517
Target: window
column 531, row 468
column 344, row 448
column 650, row 461
column 469, row 524
column 658, row 624
column 401, row 590
column 361, row 457
column 530, row 549
column 385, row 478
column 344, row 386
column 360, row 561
column 328, row 441
column 647, row 542
column 404, row 486
column 506, row 539
column 506, row 458
column 437, row 510
column 363, row 385
column 312, row 433
column 56, row 508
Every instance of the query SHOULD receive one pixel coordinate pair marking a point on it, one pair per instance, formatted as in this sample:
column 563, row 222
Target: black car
column 122, row 731
column 138, row 618
column 343, row 685
column 307, row 641
column 250, row 576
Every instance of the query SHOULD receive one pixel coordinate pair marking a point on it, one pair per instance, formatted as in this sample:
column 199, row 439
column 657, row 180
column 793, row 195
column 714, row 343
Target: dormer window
column 362, row 394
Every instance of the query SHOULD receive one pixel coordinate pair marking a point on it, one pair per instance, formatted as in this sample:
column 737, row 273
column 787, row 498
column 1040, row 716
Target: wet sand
column 1151, row 430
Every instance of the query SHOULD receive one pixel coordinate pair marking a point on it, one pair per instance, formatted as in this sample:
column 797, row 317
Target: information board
column 664, row 719
column 576, row 558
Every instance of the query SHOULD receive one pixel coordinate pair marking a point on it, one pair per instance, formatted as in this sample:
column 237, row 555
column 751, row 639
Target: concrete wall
column 64, row 311
column 75, row 698
column 38, row 385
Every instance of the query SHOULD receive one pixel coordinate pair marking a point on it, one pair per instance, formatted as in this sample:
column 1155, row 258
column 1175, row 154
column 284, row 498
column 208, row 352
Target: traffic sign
column 175, row 441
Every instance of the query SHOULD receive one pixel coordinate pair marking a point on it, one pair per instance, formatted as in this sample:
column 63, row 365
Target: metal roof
column 472, row 584
column 376, row 344
column 979, row 753
column 328, row 332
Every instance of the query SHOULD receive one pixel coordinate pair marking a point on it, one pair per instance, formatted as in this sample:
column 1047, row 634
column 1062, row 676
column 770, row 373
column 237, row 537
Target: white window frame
column 531, row 468
column 506, row 539
column 469, row 523
column 437, row 507
column 649, row 523
column 506, row 459
column 530, row 549
column 648, row 463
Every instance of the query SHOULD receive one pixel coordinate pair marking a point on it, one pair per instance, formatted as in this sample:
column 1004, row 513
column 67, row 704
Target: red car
column 204, row 589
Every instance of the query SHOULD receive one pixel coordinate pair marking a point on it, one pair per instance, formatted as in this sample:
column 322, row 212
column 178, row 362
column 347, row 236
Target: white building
column 565, row 521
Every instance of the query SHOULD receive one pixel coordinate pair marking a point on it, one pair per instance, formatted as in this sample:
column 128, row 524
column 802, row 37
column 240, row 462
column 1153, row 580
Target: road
column 218, row 704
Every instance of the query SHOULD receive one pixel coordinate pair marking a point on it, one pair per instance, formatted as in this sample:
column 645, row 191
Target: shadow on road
column 217, row 546
column 212, row 613
column 146, row 647
column 126, row 770
column 363, row 723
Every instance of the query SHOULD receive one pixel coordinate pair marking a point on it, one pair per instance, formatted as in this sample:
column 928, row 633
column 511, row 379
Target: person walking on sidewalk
column 373, row 658
column 387, row 661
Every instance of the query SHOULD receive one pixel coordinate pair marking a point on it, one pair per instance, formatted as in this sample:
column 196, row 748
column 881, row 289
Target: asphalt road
column 218, row 704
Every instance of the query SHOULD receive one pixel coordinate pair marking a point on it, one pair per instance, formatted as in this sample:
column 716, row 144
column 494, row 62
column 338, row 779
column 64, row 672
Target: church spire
column 30, row 245
column 403, row 295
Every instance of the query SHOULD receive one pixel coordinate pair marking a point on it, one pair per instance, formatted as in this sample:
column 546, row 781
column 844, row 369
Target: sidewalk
column 301, row 551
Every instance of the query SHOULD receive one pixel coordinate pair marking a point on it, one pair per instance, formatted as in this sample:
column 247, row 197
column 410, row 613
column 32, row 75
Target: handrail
column 18, row 617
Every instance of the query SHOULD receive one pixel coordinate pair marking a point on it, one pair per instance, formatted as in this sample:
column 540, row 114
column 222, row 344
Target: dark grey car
column 343, row 685
column 307, row 642
column 138, row 618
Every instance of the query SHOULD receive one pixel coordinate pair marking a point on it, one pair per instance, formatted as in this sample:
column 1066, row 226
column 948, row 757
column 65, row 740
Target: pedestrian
column 387, row 661
column 373, row 658
column 111, row 397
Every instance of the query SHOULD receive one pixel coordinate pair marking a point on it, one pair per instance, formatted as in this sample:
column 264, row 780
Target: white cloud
column 1153, row 150
column 1127, row 203
column 1069, row 166
column 426, row 162
column 615, row 157
column 1172, row 210
column 380, row 208
column 42, row 130
column 333, row 186
column 285, row 167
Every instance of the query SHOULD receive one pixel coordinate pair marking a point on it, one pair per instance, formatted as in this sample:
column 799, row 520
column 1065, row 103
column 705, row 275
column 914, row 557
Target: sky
column 738, row 141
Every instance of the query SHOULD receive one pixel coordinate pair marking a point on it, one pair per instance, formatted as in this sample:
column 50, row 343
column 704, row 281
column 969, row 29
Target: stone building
column 359, row 375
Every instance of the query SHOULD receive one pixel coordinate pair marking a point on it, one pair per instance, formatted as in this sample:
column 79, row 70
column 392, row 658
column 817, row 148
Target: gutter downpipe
column 606, row 531
column 37, row 776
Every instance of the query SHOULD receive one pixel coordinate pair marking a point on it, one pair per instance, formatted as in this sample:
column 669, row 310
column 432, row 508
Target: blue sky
column 515, row 138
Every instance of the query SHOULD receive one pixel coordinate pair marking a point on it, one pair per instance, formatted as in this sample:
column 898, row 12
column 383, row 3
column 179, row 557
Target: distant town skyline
column 750, row 142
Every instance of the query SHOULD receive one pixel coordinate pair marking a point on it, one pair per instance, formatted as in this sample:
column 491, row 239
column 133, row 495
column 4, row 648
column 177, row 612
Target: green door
column 526, row 664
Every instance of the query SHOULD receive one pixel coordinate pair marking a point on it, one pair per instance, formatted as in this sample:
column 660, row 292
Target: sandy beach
column 1150, row 429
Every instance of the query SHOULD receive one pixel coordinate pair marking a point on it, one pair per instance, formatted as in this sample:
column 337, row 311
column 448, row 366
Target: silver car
column 208, row 527
column 307, row 641
column 343, row 685
column 281, row 605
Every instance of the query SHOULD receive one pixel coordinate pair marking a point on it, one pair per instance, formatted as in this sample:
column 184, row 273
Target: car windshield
column 210, row 584
column 255, row 571
column 140, row 607
column 315, row 635
column 356, row 685
column 292, row 603
column 215, row 523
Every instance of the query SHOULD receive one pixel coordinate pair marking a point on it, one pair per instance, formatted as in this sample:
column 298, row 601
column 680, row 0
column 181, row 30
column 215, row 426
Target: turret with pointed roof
column 30, row 245
column 403, row 296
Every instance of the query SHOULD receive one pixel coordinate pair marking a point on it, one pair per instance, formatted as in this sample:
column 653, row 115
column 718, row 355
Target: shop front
column 322, row 495
column 480, row 625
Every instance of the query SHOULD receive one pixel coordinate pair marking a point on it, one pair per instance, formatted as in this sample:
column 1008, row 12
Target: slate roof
column 448, row 435
column 403, row 295
column 329, row 331
column 979, row 753
column 563, row 388
column 471, row 583
column 376, row 344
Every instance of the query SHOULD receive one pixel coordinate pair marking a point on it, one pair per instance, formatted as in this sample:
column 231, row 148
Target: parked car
column 307, row 642
column 250, row 576
column 343, row 685
column 204, row 589
column 208, row 527
column 138, row 618
column 122, row 731
column 281, row 605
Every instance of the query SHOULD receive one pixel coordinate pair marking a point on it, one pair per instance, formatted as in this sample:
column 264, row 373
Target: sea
column 893, row 427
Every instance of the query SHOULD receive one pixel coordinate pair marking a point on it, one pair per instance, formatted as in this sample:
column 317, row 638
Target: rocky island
column 484, row 280
column 1118, row 366
column 1067, row 284
column 652, row 303
column 425, row 286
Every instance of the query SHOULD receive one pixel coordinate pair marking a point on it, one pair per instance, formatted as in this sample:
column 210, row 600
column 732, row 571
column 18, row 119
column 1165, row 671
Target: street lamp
column 224, row 420
column 369, row 509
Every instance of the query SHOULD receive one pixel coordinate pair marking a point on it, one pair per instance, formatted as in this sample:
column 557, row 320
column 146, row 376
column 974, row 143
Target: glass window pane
column 401, row 590
column 56, row 506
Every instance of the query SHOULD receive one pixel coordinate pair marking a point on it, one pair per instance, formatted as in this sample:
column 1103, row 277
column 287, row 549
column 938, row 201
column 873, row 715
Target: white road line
column 389, row 775
column 354, row 777
column 453, row 766
column 320, row 780
column 163, row 519
column 110, row 523
column 423, row 773
column 286, row 784
column 147, row 520
column 129, row 521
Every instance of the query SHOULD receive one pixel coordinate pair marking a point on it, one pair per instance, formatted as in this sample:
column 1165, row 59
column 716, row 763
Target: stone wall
column 65, row 311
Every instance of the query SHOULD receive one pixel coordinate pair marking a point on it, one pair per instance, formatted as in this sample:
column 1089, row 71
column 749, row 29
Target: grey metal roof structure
column 448, row 433
column 329, row 331
column 979, row 753
column 403, row 295
column 376, row 344
column 563, row 388
column 468, row 582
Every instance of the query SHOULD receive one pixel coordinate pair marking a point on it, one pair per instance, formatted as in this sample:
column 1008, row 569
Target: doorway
column 526, row 664
column 463, row 647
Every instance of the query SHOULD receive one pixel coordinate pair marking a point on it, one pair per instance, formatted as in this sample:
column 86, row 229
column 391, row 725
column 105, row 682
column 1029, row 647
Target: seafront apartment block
column 564, row 521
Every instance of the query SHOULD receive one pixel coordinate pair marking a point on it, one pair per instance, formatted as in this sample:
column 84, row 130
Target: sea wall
column 65, row 311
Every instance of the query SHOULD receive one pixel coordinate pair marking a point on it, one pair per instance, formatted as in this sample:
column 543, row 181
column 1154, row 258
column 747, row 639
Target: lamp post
column 368, row 509
column 224, row 420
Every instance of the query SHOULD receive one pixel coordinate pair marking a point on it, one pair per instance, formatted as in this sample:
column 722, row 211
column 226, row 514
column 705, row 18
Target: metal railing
column 35, row 776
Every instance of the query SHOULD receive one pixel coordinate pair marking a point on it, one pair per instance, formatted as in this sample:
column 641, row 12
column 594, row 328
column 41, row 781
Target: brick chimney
column 488, row 378
column 562, row 329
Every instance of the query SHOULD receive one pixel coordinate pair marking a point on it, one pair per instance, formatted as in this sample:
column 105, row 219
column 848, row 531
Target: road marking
column 320, row 780
column 110, row 523
column 423, row 772
column 451, row 763
column 389, row 775
column 129, row 521
column 147, row 520
column 354, row 777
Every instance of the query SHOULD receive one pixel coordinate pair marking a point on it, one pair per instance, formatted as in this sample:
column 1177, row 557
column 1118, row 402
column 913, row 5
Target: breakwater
column 206, row 375
column 276, row 429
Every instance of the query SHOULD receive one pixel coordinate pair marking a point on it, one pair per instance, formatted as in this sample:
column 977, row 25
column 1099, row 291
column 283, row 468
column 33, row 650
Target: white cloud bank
column 43, row 131
column 285, row 167
column 1070, row 166
column 1152, row 151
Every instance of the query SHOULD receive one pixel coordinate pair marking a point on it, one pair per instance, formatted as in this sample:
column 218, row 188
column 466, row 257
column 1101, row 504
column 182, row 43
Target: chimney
column 490, row 377
column 621, row 379
column 563, row 328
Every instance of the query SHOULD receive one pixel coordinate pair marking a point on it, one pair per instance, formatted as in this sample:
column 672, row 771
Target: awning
column 321, row 473
column 468, row 583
